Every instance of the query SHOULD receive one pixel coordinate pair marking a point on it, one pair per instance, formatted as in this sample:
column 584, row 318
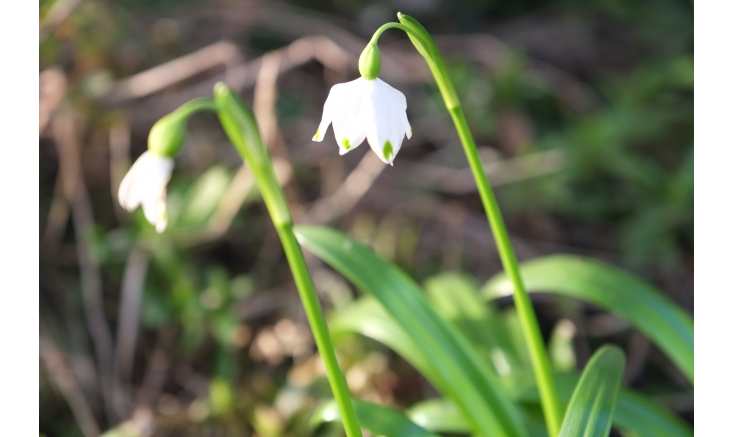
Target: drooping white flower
column 145, row 184
column 369, row 109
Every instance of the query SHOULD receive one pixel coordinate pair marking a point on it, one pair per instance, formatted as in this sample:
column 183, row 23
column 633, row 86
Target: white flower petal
column 339, row 97
column 402, row 98
column 145, row 184
column 386, row 116
column 369, row 109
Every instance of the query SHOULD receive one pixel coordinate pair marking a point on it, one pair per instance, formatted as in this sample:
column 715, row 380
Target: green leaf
column 457, row 299
column 379, row 420
column 365, row 316
column 455, row 368
column 634, row 414
column 590, row 412
column 439, row 415
column 646, row 308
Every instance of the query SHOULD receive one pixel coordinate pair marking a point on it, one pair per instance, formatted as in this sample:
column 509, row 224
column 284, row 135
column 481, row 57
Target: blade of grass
column 458, row 371
column 590, row 412
column 646, row 308
column 377, row 419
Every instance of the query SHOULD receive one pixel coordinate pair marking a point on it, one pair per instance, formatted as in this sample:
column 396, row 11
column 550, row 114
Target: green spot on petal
column 346, row 143
column 387, row 150
column 316, row 135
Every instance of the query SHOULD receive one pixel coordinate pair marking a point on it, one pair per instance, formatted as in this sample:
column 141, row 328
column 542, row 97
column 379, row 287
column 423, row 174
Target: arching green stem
column 387, row 26
column 196, row 105
column 240, row 126
column 552, row 408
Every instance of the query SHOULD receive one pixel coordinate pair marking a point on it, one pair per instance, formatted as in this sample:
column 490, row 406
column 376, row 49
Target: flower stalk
column 242, row 130
column 552, row 408
column 145, row 183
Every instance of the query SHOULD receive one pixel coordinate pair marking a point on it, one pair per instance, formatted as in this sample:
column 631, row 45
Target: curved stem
column 196, row 105
column 394, row 25
column 551, row 406
column 241, row 128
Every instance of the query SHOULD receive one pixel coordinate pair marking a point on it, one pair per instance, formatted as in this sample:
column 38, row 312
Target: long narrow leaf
column 365, row 316
column 457, row 299
column 458, row 371
column 590, row 412
column 646, row 308
column 379, row 420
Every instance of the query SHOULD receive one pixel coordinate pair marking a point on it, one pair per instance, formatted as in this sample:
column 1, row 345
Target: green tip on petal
column 316, row 135
column 346, row 143
column 387, row 150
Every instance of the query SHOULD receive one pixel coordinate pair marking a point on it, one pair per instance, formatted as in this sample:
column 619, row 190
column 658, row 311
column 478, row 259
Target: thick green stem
column 552, row 408
column 240, row 126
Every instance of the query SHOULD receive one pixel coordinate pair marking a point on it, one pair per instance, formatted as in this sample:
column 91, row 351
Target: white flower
column 145, row 184
column 366, row 108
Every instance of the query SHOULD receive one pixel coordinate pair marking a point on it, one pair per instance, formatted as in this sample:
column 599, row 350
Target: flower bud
column 370, row 61
column 167, row 135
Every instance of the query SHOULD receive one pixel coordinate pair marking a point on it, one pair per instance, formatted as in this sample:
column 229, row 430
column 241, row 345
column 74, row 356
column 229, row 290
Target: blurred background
column 583, row 111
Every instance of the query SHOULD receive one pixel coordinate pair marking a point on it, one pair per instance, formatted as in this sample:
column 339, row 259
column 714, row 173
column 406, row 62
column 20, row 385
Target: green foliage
column 458, row 371
column 377, row 419
column 459, row 301
column 590, row 411
column 667, row 325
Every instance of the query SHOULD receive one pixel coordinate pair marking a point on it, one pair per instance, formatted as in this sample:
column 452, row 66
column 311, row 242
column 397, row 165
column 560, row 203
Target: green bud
column 370, row 61
column 167, row 135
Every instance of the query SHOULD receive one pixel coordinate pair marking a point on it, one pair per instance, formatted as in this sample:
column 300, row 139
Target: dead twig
column 59, row 372
column 127, row 330
column 501, row 172
column 264, row 108
column 349, row 193
column 56, row 15
column 119, row 159
column 52, row 88
column 169, row 73
column 68, row 149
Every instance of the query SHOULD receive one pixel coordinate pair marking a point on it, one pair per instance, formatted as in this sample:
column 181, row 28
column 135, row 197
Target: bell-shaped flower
column 369, row 109
column 145, row 184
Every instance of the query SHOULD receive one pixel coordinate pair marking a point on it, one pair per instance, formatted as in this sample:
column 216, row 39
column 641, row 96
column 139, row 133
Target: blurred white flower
column 366, row 108
column 145, row 184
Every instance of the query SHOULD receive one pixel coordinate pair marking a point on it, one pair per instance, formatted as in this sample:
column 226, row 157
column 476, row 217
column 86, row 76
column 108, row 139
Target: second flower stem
column 550, row 404
column 553, row 412
column 240, row 126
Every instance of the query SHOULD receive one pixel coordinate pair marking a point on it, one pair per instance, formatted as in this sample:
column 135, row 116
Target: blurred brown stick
column 119, row 160
column 68, row 149
column 52, row 88
column 500, row 172
column 169, row 73
column 55, row 364
column 239, row 77
column 127, row 329
column 349, row 193
column 264, row 109
column 59, row 11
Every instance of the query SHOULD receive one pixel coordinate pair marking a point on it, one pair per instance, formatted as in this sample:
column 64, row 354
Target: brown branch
column 169, row 73
column 349, row 193
column 52, row 88
column 68, row 149
column 127, row 330
column 64, row 379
